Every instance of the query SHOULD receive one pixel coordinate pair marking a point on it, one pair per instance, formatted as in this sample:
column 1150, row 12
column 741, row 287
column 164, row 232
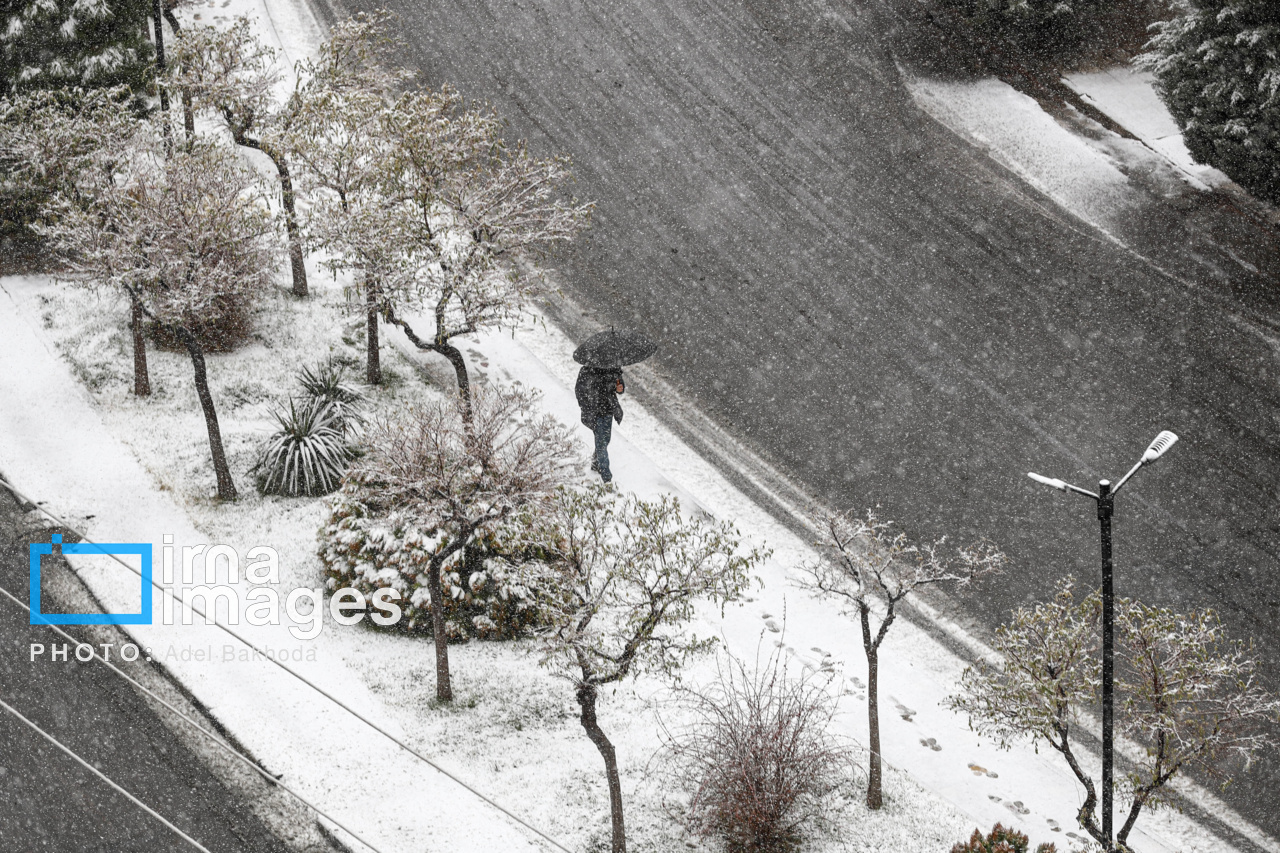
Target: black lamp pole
column 1105, row 506
column 1105, row 499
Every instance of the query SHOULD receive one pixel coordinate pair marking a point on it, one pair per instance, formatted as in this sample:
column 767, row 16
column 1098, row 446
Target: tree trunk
column 288, row 199
column 188, row 113
column 226, row 486
column 454, row 355
column 444, row 686
column 373, row 363
column 141, row 376
column 874, row 797
column 157, row 19
column 587, row 701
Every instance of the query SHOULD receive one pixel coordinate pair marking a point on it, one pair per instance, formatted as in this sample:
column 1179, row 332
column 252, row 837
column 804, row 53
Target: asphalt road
column 48, row 802
column 886, row 314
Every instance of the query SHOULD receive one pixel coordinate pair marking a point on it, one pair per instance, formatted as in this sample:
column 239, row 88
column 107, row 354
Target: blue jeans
column 604, row 431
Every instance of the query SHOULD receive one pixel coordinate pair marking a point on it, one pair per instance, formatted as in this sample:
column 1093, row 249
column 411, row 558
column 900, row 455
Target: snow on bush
column 1002, row 839
column 365, row 545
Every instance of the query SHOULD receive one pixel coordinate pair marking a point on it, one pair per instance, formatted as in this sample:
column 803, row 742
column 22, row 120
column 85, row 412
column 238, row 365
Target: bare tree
column 66, row 147
column 453, row 484
column 624, row 580
column 1190, row 694
column 232, row 74
column 869, row 567
column 185, row 236
column 475, row 212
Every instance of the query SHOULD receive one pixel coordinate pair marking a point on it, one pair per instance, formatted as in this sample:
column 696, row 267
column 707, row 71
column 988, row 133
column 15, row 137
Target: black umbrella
column 614, row 349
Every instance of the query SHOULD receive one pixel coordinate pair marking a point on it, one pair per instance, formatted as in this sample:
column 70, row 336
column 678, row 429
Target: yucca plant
column 309, row 452
column 326, row 382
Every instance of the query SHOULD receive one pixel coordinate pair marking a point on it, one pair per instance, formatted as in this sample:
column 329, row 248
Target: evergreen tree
column 47, row 44
column 1218, row 67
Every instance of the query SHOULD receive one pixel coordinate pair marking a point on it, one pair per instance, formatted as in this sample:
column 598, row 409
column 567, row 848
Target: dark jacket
column 596, row 390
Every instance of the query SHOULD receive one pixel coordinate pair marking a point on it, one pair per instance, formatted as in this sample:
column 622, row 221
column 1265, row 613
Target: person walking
column 597, row 390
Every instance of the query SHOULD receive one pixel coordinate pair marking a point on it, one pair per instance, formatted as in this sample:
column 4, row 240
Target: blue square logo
column 142, row 550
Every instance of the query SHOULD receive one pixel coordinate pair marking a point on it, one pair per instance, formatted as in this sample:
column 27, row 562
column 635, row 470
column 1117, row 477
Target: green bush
column 308, row 454
column 363, row 545
column 327, row 383
column 1001, row 840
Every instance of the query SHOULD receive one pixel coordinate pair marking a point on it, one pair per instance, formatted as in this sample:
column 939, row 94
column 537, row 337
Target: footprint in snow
column 856, row 682
column 1017, row 807
column 904, row 711
column 979, row 770
column 1053, row 824
column 993, row 798
column 932, row 743
column 772, row 626
column 766, row 615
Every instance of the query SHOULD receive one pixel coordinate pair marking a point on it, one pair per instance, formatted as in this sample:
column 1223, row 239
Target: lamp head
column 1162, row 442
column 1051, row 482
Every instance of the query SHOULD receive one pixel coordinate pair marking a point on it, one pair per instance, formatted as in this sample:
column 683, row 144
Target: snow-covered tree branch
column 872, row 569
column 1188, row 694
column 451, row 483
column 625, row 577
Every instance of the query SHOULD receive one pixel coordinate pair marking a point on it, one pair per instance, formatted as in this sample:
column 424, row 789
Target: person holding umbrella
column 600, row 382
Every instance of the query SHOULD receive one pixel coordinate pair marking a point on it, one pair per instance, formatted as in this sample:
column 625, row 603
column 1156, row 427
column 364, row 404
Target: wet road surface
column 49, row 802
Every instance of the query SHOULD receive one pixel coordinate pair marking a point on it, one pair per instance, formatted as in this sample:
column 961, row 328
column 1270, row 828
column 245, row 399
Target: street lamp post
column 1105, row 499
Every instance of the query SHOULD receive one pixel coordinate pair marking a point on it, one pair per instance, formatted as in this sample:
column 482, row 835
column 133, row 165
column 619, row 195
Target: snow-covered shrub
column 309, row 452
column 757, row 759
column 326, row 383
column 1218, row 67
column 366, row 545
column 1000, row 840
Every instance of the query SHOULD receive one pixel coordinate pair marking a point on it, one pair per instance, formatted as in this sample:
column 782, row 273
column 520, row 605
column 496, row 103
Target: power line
column 146, row 808
column 272, row 658
column 210, row 735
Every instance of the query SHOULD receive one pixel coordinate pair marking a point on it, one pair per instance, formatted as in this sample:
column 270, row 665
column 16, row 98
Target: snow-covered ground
column 1086, row 175
column 126, row 470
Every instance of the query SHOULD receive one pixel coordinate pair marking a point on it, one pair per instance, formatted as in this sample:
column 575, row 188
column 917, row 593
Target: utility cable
column 139, row 803
column 210, row 735
column 370, row 723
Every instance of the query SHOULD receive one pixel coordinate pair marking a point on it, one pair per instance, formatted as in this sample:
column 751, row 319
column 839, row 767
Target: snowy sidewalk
column 1128, row 97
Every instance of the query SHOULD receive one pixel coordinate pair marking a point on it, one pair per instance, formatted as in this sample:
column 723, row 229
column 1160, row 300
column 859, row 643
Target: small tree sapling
column 62, row 149
column 869, row 567
column 185, row 236
column 233, row 75
column 335, row 134
column 624, row 580
column 474, row 211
